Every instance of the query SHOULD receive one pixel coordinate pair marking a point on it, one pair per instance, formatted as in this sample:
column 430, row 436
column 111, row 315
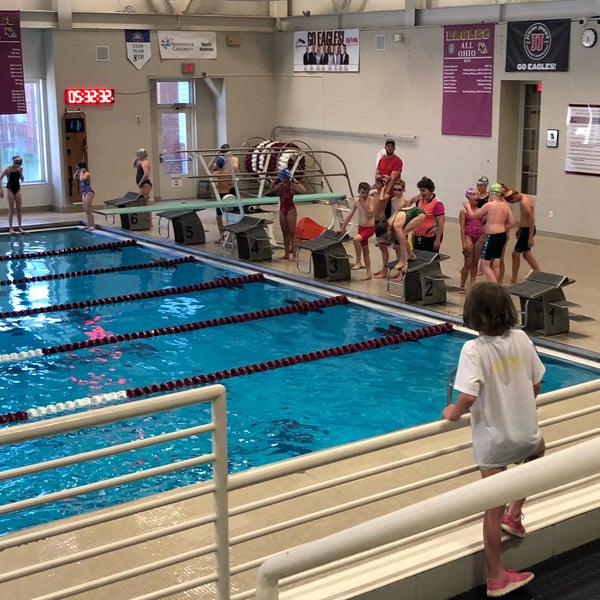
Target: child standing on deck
column 499, row 376
column 87, row 193
column 365, row 205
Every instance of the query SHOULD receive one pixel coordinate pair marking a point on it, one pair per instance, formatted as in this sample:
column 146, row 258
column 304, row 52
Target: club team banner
column 335, row 51
column 538, row 45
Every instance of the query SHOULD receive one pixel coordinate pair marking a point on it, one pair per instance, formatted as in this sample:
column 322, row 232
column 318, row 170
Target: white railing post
column 221, row 525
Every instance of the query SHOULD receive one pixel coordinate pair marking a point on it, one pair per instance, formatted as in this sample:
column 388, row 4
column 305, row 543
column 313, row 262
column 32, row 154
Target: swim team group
column 382, row 210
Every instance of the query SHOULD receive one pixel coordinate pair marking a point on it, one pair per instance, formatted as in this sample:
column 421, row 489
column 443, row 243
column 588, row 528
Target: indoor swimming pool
column 89, row 316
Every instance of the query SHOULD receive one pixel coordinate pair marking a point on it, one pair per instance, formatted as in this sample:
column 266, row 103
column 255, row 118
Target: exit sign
column 188, row 68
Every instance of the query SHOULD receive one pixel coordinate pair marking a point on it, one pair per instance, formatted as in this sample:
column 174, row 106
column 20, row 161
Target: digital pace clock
column 87, row 96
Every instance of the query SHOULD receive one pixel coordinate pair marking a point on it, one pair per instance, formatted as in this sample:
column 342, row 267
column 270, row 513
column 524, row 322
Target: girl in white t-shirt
column 499, row 376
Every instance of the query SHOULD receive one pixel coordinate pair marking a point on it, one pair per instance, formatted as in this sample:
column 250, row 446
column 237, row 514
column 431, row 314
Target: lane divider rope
column 265, row 313
column 388, row 340
column 52, row 276
column 75, row 250
column 224, row 282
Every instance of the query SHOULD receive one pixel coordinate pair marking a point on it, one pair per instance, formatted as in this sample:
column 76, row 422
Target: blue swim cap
column 285, row 173
column 220, row 162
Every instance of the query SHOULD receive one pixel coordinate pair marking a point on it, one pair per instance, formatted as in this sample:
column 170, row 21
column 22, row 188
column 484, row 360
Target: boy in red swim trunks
column 365, row 205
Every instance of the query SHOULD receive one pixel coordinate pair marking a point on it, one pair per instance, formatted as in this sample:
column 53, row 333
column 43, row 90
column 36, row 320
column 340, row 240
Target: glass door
column 175, row 133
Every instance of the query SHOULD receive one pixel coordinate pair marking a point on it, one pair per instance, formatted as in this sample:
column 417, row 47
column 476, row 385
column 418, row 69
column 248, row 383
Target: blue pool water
column 272, row 415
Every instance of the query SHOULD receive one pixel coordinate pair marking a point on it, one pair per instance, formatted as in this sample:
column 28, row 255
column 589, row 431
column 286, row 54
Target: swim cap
column 142, row 152
column 220, row 162
column 469, row 192
column 483, row 179
column 496, row 189
column 380, row 180
column 17, row 160
column 224, row 147
column 285, row 173
column 82, row 164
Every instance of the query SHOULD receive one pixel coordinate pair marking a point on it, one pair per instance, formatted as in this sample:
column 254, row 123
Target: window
column 23, row 135
column 531, row 138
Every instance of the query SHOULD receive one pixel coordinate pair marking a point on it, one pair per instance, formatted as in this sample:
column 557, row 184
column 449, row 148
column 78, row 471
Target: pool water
column 272, row 415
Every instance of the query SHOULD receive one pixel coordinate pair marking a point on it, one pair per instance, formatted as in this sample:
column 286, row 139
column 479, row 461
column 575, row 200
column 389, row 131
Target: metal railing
column 253, row 508
column 572, row 464
column 216, row 428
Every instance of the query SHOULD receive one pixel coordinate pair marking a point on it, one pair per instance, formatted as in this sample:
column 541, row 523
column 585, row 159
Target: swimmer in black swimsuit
column 14, row 176
column 142, row 174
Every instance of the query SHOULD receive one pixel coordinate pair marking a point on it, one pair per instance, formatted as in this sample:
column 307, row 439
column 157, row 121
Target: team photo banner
column 187, row 44
column 538, row 45
column 332, row 51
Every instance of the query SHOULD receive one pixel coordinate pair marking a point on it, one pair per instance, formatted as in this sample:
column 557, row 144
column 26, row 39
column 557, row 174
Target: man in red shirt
column 389, row 166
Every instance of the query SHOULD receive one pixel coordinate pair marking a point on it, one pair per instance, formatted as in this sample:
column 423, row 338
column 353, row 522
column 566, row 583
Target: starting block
column 252, row 238
column 543, row 303
column 423, row 281
column 132, row 221
column 187, row 227
column 329, row 258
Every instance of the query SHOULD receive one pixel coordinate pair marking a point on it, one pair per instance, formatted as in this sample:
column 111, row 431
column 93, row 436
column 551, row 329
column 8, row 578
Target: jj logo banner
column 538, row 45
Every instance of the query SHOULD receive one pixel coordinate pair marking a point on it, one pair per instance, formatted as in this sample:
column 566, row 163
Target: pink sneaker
column 509, row 582
column 512, row 526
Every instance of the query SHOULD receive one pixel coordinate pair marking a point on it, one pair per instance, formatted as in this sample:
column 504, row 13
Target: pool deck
column 575, row 259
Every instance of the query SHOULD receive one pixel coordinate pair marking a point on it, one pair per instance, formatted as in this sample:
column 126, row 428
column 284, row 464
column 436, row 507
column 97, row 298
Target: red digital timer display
column 89, row 96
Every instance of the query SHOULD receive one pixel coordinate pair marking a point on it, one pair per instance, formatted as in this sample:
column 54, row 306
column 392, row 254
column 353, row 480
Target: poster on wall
column 12, row 90
column 331, row 51
column 468, row 80
column 583, row 139
column 538, row 45
column 183, row 45
column 139, row 50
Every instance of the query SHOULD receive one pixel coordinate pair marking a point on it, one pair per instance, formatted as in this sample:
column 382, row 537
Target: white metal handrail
column 216, row 428
column 244, row 511
column 572, row 464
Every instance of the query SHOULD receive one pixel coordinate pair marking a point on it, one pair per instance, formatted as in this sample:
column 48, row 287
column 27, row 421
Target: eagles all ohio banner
column 538, row 45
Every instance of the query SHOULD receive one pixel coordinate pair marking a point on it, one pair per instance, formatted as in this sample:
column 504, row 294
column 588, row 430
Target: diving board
column 319, row 198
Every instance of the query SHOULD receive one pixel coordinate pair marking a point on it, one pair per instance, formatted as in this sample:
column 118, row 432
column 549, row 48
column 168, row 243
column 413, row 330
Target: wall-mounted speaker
column 102, row 54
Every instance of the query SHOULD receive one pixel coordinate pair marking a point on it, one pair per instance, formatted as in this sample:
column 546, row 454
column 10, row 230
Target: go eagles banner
column 538, row 45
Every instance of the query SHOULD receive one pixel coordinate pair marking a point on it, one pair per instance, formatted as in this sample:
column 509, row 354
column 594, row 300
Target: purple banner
column 468, row 80
column 12, row 90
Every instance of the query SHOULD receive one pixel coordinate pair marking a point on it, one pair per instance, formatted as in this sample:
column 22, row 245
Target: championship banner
column 138, row 47
column 184, row 45
column 332, row 51
column 468, row 80
column 12, row 90
column 538, row 45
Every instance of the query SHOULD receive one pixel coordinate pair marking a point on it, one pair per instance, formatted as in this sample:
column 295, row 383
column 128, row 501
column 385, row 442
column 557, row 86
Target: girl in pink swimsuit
column 471, row 230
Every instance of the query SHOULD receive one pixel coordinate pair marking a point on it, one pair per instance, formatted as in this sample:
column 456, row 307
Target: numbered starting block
column 543, row 303
column 423, row 281
column 329, row 257
column 134, row 221
column 252, row 238
column 187, row 227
